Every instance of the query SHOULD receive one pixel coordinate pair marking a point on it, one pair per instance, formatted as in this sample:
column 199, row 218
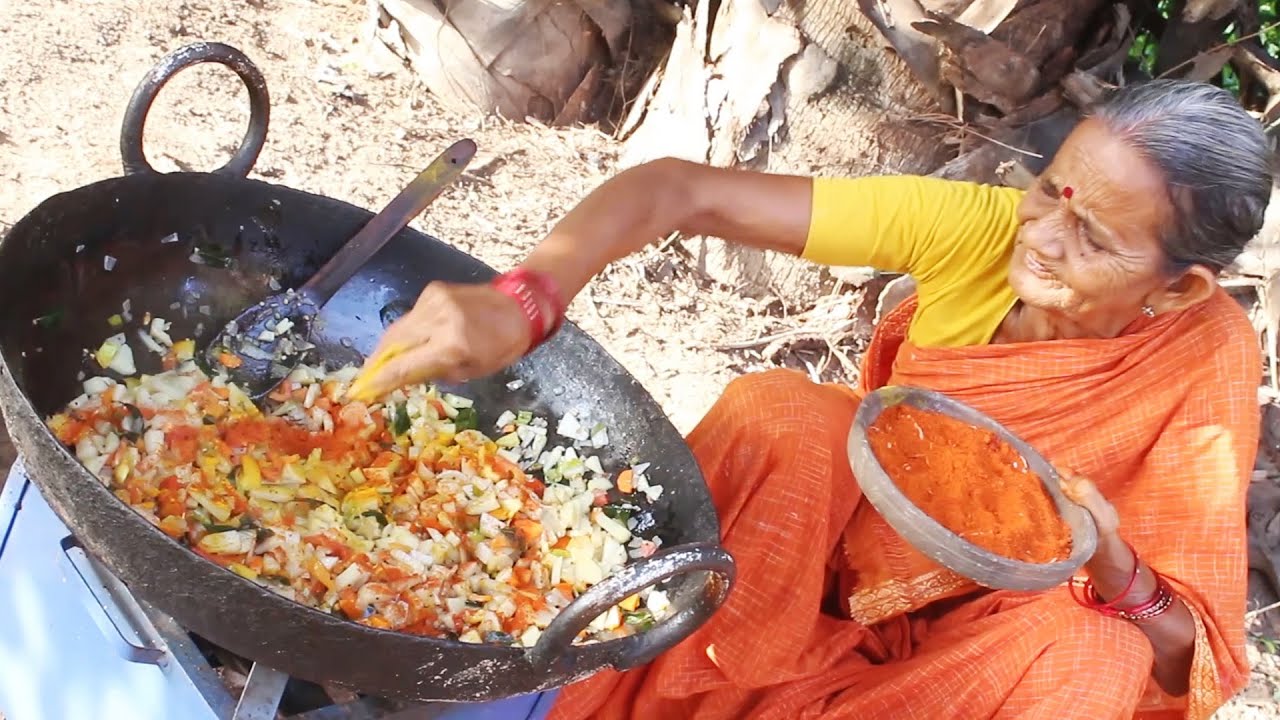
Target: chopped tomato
column 523, row 576
column 530, row 530
column 183, row 442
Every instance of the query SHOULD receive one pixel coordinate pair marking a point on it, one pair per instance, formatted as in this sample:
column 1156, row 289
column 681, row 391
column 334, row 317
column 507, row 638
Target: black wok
column 58, row 295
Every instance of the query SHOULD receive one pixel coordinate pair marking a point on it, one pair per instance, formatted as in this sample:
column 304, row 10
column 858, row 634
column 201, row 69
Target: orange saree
column 834, row 616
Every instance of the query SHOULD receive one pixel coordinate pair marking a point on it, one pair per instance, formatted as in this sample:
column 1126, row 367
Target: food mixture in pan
column 402, row 515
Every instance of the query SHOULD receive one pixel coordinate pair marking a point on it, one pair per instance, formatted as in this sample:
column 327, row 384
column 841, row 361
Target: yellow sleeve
column 955, row 238
column 930, row 228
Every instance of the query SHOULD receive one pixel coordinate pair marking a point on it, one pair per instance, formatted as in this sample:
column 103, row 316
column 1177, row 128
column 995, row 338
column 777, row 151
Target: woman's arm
column 459, row 331
column 896, row 223
column 648, row 202
column 1172, row 633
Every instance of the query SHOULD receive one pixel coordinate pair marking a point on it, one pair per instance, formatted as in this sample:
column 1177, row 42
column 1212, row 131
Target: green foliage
column 1146, row 45
column 1269, row 14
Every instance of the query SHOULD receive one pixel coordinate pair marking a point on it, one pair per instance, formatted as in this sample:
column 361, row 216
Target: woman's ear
column 1194, row 286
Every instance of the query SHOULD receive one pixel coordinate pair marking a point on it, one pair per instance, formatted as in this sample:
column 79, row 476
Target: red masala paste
column 972, row 482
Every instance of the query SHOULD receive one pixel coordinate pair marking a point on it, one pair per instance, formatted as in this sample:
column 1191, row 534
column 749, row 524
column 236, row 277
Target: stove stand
column 76, row 644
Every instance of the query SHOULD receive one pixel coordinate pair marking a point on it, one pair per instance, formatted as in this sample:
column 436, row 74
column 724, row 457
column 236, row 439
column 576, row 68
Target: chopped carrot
column 230, row 360
column 282, row 393
column 627, row 481
column 347, row 603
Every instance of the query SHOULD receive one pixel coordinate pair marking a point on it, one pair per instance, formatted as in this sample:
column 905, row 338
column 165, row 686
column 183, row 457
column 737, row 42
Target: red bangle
column 1133, row 579
column 550, row 294
column 532, row 291
column 1084, row 593
column 1090, row 597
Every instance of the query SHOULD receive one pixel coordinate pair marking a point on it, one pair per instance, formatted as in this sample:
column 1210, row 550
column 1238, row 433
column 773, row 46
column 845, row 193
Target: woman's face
column 1094, row 258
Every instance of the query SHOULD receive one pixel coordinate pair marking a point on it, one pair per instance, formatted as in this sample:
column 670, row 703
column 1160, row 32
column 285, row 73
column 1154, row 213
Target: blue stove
column 76, row 645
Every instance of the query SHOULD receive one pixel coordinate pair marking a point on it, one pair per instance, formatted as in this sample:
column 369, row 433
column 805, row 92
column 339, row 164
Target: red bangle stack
column 534, row 291
column 1160, row 601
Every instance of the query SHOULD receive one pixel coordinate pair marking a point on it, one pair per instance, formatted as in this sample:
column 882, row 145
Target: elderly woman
column 1083, row 314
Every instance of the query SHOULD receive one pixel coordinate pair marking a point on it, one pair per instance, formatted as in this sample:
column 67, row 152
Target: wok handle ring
column 558, row 638
column 132, row 151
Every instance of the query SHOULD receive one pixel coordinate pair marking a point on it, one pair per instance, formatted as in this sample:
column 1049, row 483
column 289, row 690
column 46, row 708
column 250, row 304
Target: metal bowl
column 937, row 542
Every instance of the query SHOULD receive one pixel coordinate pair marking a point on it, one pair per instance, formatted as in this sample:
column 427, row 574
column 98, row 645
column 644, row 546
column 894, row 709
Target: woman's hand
column 453, row 333
column 1083, row 492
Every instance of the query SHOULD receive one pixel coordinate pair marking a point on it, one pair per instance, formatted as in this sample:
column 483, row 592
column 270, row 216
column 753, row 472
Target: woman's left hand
column 1083, row 492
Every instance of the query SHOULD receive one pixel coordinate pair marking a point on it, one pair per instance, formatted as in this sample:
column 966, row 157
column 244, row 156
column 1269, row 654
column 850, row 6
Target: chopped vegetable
column 400, row 423
column 115, row 354
column 230, row 360
column 640, row 619
column 626, row 481
column 49, row 320
column 466, row 419
column 399, row 515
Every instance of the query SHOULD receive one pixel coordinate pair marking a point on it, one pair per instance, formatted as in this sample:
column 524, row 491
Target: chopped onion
column 108, row 263
column 151, row 344
column 160, row 331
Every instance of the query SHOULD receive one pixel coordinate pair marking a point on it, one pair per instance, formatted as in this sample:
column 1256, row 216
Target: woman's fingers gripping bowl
column 1083, row 492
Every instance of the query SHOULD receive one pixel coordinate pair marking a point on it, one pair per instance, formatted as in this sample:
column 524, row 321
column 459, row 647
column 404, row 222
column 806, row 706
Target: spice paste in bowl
column 965, row 492
column 971, row 482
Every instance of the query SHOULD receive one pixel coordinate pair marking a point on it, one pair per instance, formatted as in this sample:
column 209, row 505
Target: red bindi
column 1067, row 192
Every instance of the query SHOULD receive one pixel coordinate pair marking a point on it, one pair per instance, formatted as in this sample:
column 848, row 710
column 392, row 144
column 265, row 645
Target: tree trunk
column 544, row 60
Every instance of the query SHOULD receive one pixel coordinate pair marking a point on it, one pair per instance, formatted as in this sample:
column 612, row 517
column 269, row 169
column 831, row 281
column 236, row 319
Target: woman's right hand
column 455, row 332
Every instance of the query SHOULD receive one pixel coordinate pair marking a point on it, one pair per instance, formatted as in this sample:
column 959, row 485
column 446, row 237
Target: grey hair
column 1215, row 159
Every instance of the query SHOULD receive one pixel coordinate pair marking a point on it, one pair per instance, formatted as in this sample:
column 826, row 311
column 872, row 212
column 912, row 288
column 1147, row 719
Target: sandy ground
column 349, row 122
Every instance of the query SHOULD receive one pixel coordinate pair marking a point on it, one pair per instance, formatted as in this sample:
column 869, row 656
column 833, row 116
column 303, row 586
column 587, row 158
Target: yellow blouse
column 954, row 238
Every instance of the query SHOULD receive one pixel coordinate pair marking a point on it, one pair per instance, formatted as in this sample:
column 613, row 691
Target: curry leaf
column 400, row 421
column 466, row 419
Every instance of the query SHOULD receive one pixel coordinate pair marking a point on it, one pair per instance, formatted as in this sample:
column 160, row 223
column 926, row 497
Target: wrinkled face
column 1093, row 258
